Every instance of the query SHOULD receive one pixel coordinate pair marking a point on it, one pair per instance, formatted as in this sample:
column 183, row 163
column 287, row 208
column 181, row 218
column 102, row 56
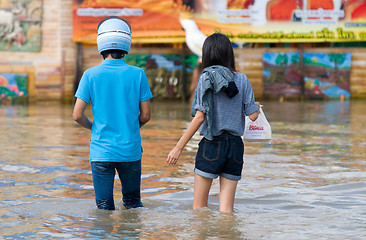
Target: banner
column 151, row 20
column 241, row 20
column 287, row 20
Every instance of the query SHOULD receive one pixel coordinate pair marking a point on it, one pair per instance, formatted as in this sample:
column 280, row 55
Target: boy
column 119, row 95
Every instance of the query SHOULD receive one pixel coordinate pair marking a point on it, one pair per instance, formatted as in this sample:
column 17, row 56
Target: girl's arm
column 255, row 115
column 192, row 128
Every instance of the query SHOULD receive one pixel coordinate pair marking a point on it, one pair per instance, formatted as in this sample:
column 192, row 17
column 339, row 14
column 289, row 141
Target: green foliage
column 281, row 59
column 138, row 60
column 337, row 58
column 295, row 58
column 308, row 61
column 7, row 92
column 191, row 60
column 22, row 82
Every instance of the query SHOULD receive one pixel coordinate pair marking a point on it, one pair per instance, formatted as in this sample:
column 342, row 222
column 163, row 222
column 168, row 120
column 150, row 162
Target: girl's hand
column 192, row 128
column 258, row 104
column 174, row 155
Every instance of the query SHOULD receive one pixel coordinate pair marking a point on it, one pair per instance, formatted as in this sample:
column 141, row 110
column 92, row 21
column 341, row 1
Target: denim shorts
column 223, row 156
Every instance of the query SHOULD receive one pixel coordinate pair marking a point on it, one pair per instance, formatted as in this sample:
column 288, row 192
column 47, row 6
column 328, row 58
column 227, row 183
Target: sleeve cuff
column 82, row 98
column 251, row 109
column 200, row 108
column 143, row 99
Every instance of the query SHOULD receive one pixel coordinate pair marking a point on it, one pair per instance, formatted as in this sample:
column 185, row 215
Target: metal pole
column 79, row 65
column 184, row 74
column 301, row 65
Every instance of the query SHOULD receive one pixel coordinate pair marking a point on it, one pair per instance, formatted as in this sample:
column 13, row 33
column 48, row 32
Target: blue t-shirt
column 228, row 114
column 115, row 90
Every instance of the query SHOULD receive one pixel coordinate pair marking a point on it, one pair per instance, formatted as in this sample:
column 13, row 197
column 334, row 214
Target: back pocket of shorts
column 238, row 153
column 211, row 150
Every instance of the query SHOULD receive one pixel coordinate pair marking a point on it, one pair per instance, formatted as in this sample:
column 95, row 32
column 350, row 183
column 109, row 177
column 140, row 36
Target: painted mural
column 165, row 73
column 327, row 75
column 281, row 75
column 20, row 25
column 323, row 75
column 13, row 88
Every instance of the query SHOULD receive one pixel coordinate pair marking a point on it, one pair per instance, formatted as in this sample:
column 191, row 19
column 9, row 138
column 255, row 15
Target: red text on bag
column 251, row 127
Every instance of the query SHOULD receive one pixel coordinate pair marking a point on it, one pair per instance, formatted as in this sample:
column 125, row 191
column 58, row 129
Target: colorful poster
column 281, row 75
column 241, row 20
column 13, row 88
column 327, row 75
column 165, row 72
column 20, row 25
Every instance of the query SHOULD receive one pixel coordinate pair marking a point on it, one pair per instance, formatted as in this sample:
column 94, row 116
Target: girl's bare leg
column 227, row 195
column 202, row 187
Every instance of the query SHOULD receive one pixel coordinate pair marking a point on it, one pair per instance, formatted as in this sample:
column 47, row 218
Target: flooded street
column 309, row 183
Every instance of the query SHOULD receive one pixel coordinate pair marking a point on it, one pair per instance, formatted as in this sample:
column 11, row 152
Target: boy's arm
column 145, row 112
column 79, row 116
column 191, row 130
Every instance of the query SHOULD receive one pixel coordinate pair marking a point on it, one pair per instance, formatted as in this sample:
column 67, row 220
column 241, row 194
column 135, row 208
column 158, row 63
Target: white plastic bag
column 259, row 130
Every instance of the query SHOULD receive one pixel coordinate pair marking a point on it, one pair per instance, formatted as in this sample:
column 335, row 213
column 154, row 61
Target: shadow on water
column 309, row 183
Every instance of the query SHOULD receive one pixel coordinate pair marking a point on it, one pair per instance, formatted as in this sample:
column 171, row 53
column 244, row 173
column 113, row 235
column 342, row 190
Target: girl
column 222, row 99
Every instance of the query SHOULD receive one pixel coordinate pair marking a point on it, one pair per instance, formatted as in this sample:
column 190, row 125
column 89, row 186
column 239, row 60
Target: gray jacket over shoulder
column 214, row 79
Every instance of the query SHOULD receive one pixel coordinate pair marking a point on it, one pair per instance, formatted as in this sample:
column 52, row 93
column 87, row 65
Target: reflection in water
column 309, row 183
column 116, row 224
column 208, row 225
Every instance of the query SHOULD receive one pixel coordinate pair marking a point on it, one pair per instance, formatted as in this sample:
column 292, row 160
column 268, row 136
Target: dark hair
column 217, row 50
column 115, row 53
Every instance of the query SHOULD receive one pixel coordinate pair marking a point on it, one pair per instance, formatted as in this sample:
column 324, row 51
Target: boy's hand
column 174, row 155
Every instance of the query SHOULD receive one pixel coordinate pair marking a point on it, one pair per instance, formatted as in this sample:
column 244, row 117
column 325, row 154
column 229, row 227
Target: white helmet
column 114, row 33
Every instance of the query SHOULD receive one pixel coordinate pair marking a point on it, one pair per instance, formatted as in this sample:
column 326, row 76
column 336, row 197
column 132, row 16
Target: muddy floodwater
column 308, row 183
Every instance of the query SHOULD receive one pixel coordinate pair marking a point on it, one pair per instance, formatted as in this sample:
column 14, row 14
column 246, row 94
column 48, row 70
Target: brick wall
column 53, row 66
column 68, row 52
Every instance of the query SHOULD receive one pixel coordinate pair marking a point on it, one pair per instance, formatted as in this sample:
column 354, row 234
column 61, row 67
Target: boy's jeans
column 103, row 178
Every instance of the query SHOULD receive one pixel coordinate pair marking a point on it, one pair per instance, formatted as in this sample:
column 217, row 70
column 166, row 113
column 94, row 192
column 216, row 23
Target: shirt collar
column 114, row 62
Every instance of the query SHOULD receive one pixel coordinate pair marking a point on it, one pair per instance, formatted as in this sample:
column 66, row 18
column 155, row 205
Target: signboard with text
column 151, row 20
column 242, row 20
